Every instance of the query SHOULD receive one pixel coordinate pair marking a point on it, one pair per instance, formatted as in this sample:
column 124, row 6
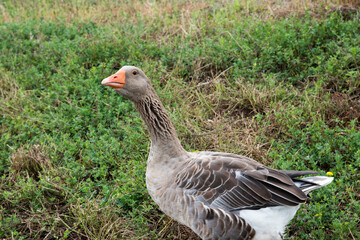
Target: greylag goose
column 218, row 195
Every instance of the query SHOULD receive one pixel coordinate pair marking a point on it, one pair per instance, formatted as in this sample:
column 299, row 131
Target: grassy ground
column 278, row 81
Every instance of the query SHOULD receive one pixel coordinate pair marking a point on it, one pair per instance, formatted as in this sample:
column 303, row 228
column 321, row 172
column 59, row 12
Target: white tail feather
column 315, row 181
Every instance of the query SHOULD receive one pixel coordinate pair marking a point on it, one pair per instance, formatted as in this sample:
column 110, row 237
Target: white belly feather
column 269, row 223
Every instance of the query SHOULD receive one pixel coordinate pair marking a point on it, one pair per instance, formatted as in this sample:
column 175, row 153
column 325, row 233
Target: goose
column 218, row 195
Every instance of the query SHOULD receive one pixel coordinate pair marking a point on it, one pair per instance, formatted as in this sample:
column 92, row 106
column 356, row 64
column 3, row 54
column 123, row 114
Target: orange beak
column 115, row 81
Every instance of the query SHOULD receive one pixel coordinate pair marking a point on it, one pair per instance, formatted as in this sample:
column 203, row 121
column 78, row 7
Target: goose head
column 130, row 82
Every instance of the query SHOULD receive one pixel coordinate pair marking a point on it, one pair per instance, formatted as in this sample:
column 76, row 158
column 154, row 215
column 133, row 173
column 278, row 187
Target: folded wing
column 232, row 182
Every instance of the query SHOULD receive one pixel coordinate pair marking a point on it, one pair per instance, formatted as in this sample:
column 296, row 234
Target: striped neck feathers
column 161, row 129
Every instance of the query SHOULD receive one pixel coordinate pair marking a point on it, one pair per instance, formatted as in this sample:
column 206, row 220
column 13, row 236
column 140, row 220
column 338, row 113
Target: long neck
column 162, row 132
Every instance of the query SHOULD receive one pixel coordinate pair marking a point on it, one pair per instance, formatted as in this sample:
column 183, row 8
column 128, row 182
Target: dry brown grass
column 126, row 11
column 220, row 117
column 345, row 107
column 10, row 93
column 282, row 8
column 106, row 11
column 35, row 222
column 8, row 86
column 98, row 222
column 32, row 161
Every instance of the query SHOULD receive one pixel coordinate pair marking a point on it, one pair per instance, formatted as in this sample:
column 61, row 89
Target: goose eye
column 134, row 72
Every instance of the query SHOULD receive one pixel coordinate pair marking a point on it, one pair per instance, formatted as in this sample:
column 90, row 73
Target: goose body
column 218, row 195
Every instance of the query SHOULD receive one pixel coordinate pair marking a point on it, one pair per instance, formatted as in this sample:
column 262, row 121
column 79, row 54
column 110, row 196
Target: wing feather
column 233, row 182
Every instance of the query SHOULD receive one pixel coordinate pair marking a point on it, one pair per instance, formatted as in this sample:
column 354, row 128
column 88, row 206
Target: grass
column 278, row 81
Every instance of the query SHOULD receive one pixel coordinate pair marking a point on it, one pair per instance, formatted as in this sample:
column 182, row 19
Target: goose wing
column 233, row 182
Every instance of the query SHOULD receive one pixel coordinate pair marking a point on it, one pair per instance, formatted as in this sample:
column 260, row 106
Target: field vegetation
column 278, row 81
